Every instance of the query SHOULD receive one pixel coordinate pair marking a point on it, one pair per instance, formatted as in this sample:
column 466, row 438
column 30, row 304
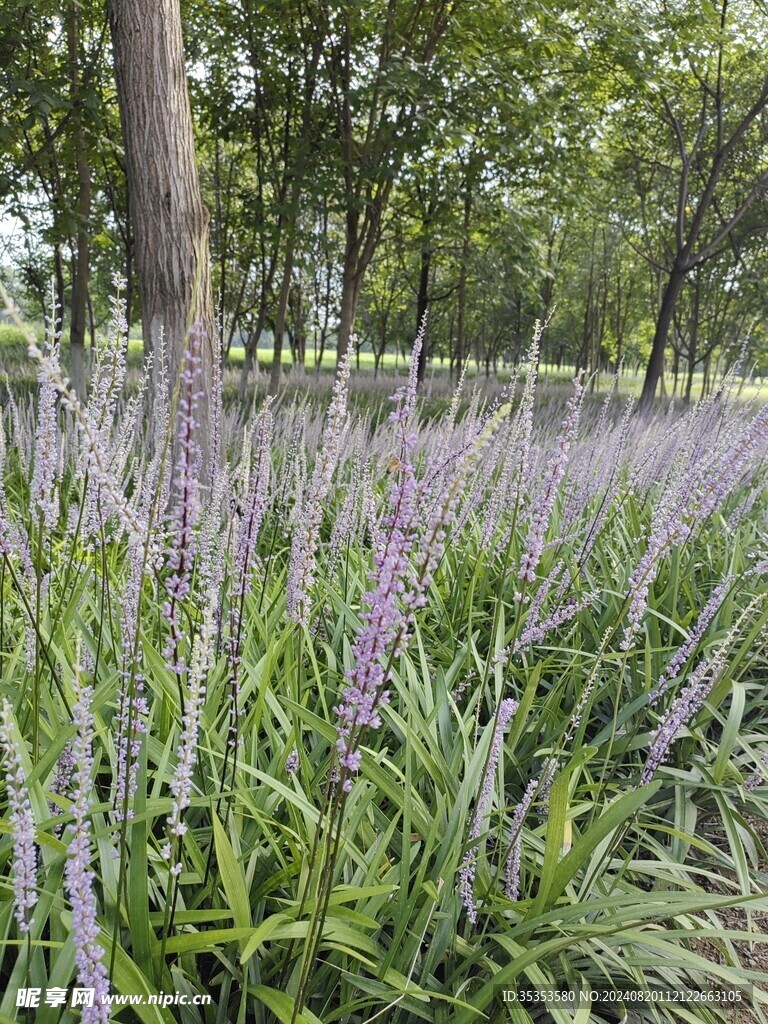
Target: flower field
column 378, row 719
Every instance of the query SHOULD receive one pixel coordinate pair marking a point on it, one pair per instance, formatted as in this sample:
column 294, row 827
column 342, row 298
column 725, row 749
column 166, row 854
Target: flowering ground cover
column 384, row 718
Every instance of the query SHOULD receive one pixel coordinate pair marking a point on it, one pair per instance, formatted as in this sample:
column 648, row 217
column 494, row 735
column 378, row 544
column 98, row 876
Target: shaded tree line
column 362, row 164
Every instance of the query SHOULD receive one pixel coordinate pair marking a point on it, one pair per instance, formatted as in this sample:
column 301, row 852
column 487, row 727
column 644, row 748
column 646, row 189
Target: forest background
column 491, row 162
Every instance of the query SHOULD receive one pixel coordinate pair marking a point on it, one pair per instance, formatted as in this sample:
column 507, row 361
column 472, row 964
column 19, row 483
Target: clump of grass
column 436, row 770
column 10, row 335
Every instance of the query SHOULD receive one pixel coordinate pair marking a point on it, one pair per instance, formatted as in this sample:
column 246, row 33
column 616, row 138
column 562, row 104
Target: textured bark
column 655, row 369
column 169, row 218
column 422, row 305
column 61, row 295
column 348, row 311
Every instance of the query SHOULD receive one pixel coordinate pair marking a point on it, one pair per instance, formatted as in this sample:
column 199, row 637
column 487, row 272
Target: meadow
column 299, row 378
column 395, row 713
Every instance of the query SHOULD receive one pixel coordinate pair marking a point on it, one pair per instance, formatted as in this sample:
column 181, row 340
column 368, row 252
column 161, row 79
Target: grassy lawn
column 13, row 348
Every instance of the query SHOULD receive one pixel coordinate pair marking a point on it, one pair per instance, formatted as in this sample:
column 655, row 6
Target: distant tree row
column 366, row 162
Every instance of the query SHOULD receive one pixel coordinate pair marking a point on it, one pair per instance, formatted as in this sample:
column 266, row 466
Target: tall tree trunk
column 130, row 284
column 422, row 303
column 378, row 351
column 248, row 360
column 325, row 303
column 693, row 340
column 461, row 314
column 60, row 293
column 91, row 322
column 251, row 345
column 297, row 174
column 655, row 369
column 298, row 317
column 706, row 384
column 323, row 336
column 282, row 307
column 689, row 377
column 348, row 311
column 461, row 322
column 79, row 308
column 169, row 217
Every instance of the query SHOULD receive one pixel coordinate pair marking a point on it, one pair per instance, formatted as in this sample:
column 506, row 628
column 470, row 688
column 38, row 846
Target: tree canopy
column 365, row 163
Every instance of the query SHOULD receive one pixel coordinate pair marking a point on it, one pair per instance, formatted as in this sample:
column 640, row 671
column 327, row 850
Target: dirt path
column 752, row 955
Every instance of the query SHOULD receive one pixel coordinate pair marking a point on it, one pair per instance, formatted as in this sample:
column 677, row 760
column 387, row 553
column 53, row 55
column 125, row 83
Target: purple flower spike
column 186, row 502
column 386, row 623
column 306, row 537
column 78, row 875
column 186, row 754
column 684, row 652
column 132, row 704
column 542, row 509
column 507, row 709
column 684, row 707
column 22, row 826
column 47, row 445
column 540, row 785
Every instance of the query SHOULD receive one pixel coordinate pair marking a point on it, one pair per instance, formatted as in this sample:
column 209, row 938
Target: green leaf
column 607, row 823
column 231, row 876
column 730, row 733
column 558, row 809
column 127, row 979
column 282, row 1005
column 265, row 930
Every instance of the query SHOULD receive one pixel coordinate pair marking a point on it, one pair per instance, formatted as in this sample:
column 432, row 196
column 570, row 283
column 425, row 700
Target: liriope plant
column 390, row 716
